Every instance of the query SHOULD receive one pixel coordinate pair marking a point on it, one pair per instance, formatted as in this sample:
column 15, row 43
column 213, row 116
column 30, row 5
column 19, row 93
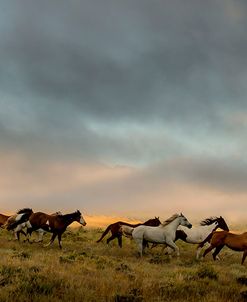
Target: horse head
column 156, row 221
column 184, row 221
column 79, row 218
column 222, row 224
column 219, row 222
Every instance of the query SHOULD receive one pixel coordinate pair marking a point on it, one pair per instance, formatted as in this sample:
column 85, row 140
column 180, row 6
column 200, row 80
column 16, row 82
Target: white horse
column 164, row 233
column 201, row 234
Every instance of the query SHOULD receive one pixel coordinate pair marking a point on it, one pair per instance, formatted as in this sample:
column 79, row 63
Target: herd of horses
column 55, row 223
column 177, row 227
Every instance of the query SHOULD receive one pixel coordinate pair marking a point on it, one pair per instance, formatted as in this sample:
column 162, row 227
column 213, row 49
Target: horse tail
column 105, row 232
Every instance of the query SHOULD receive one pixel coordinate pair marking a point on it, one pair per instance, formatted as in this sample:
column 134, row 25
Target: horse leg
column 23, row 233
column 209, row 249
column 217, row 250
column 18, row 230
column 198, row 249
column 173, row 247
column 139, row 242
column 17, row 234
column 41, row 234
column 54, row 235
column 113, row 236
column 59, row 237
column 119, row 238
column 244, row 256
column 29, row 233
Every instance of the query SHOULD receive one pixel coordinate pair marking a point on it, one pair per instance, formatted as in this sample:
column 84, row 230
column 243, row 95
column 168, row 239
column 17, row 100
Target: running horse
column 116, row 229
column 236, row 242
column 55, row 224
column 14, row 222
column 165, row 233
column 201, row 234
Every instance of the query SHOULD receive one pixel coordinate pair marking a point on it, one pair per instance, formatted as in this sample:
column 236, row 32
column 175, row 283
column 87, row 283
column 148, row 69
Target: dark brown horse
column 233, row 241
column 55, row 224
column 116, row 232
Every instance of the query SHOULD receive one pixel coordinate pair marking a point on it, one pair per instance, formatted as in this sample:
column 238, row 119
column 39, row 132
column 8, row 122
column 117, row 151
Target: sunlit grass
column 87, row 271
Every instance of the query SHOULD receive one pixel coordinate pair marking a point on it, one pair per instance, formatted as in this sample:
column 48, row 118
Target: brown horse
column 116, row 231
column 55, row 224
column 233, row 241
column 3, row 219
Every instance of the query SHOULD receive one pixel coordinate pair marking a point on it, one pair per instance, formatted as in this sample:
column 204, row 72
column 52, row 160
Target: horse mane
column 24, row 210
column 169, row 220
column 76, row 213
column 208, row 221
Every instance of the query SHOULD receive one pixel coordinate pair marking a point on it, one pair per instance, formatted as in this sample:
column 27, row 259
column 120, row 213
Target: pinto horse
column 116, row 230
column 201, row 234
column 18, row 218
column 55, row 224
column 41, row 232
column 236, row 242
column 14, row 221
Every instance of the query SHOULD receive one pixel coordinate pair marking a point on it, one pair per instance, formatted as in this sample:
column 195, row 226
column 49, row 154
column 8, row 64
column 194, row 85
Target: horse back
column 39, row 218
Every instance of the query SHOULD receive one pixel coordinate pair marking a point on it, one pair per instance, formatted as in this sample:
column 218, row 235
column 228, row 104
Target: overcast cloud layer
column 111, row 106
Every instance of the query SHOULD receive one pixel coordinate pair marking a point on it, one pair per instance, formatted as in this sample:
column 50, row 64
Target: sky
column 133, row 108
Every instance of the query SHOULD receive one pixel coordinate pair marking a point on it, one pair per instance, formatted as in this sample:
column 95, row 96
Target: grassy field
column 87, row 271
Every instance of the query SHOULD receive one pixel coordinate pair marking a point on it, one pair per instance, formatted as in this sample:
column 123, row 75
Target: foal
column 233, row 241
column 55, row 224
column 116, row 229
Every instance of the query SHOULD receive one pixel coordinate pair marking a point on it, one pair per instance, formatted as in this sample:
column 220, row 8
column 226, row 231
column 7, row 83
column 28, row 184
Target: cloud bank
column 126, row 107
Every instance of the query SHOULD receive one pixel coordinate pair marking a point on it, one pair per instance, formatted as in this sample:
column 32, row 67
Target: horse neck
column 172, row 226
column 150, row 223
column 68, row 219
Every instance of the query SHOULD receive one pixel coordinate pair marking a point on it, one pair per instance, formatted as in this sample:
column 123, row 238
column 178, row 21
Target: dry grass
column 87, row 271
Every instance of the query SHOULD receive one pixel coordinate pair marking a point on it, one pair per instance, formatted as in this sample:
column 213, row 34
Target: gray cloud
column 128, row 60
column 132, row 82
